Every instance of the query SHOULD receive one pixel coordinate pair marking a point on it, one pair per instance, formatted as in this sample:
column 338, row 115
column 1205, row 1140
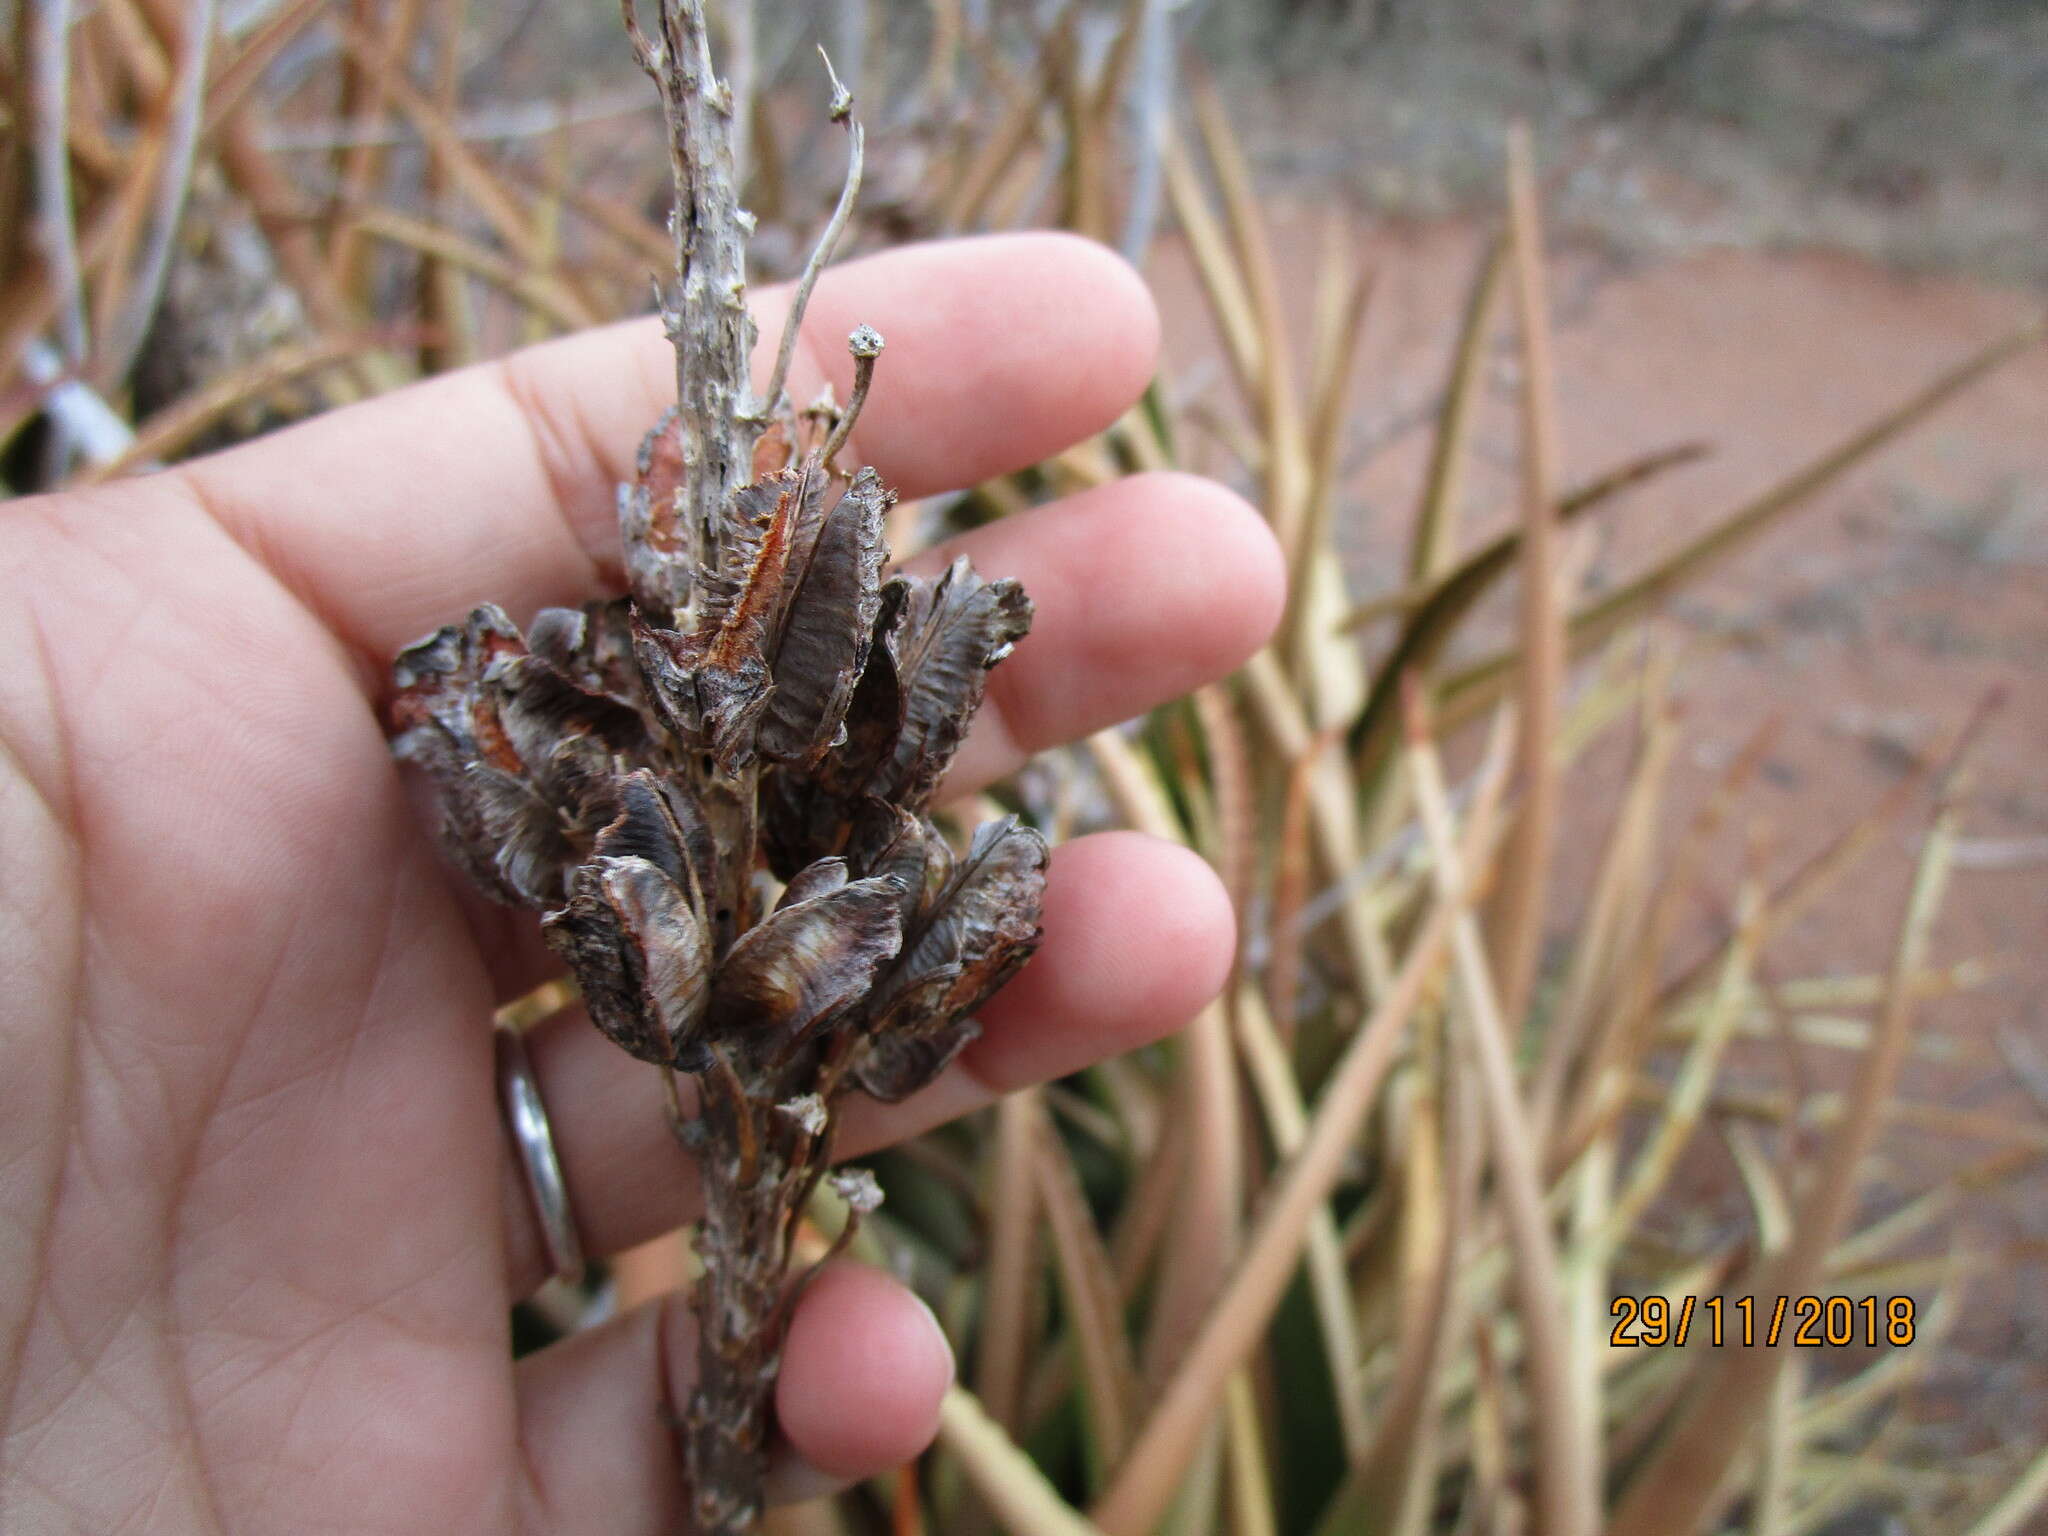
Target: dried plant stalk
column 760, row 707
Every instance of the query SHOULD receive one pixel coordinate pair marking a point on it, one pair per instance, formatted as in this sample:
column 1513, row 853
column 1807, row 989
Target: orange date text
column 1806, row 1322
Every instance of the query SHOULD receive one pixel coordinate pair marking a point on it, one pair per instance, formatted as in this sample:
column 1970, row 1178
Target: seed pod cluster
column 640, row 769
column 716, row 789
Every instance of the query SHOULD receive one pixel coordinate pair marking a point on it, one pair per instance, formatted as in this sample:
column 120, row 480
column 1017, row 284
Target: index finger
column 495, row 483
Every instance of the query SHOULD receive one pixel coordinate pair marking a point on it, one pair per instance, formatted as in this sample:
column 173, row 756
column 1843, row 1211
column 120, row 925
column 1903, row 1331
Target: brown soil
column 1868, row 626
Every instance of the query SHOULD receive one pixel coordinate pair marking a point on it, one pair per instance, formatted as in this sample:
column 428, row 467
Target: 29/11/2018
column 1807, row 1322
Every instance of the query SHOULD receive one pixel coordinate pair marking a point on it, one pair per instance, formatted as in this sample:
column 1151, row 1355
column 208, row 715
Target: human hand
column 260, row 1222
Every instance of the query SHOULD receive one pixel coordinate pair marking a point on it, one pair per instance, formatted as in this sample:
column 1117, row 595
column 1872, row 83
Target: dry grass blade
column 1285, row 428
column 1619, row 892
column 1089, row 1295
column 1008, row 1481
column 240, row 74
column 1828, row 1413
column 1438, row 608
column 1797, row 892
column 1171, row 1435
column 1203, row 1238
column 1149, row 1209
column 541, row 291
column 1434, row 541
column 1332, row 819
column 1391, row 1489
column 639, row 238
column 1778, row 1465
column 180, row 141
column 1008, row 1288
column 1473, row 576
column 48, row 28
column 961, row 208
column 1223, row 281
column 1085, row 196
column 1627, row 1026
column 478, row 182
column 1567, row 1472
column 362, row 160
column 1208, row 1205
column 1675, row 1491
column 1478, row 685
column 282, row 216
column 1146, row 1481
column 1341, row 305
column 168, row 433
column 2018, row 1505
column 1272, row 1077
column 1249, row 1482
column 1517, row 912
column 1290, row 889
column 1223, row 740
column 1682, row 1105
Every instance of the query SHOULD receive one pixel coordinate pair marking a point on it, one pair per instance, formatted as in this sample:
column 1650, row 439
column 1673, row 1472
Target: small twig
column 841, row 111
column 866, row 345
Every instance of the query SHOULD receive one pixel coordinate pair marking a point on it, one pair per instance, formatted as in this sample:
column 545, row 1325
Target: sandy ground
column 1867, row 627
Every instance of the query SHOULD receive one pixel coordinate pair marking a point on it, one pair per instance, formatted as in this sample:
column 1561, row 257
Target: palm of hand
column 260, row 1235
column 267, row 1130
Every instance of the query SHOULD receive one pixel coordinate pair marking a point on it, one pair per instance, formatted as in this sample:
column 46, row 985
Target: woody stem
column 742, row 1245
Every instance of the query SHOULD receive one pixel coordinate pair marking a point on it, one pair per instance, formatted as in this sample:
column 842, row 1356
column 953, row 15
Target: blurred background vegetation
column 1636, row 828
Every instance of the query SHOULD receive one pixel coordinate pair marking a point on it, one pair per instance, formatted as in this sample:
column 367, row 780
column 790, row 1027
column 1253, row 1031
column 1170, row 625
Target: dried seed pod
column 783, row 625
column 634, row 930
column 964, row 943
column 593, row 647
column 936, row 640
column 806, row 964
column 953, row 630
column 661, row 547
column 823, row 642
column 523, row 758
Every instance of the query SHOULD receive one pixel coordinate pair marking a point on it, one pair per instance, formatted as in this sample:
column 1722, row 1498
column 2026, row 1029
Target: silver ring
column 527, row 1118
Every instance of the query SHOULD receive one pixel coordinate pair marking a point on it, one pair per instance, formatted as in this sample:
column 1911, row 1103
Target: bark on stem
column 706, row 316
column 743, row 1245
